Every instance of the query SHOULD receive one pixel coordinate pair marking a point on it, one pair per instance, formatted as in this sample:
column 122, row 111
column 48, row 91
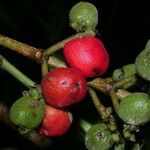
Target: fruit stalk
column 124, row 81
column 121, row 94
column 99, row 106
column 84, row 125
column 61, row 44
column 21, row 48
column 117, row 85
column 103, row 85
column 114, row 99
column 44, row 67
column 54, row 62
column 104, row 112
column 4, row 64
column 33, row 136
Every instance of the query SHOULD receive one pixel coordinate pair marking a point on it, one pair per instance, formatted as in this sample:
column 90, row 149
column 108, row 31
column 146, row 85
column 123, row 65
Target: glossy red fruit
column 56, row 122
column 87, row 54
column 63, row 86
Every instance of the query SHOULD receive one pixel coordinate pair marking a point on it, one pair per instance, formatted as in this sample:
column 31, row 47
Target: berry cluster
column 61, row 87
column 86, row 57
column 45, row 107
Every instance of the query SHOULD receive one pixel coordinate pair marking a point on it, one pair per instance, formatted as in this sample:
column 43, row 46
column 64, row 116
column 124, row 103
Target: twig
column 104, row 112
column 55, row 62
column 98, row 105
column 117, row 85
column 21, row 48
column 61, row 44
column 44, row 66
column 4, row 64
column 103, row 85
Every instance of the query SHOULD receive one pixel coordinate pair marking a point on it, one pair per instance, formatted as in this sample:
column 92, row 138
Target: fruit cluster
column 86, row 57
column 45, row 107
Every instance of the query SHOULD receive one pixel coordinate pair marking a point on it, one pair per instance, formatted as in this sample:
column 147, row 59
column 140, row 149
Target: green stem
column 98, row 105
column 61, row 44
column 84, row 125
column 124, row 81
column 21, row 48
column 104, row 112
column 44, row 67
column 55, row 62
column 117, row 85
column 4, row 64
column 114, row 99
column 103, row 85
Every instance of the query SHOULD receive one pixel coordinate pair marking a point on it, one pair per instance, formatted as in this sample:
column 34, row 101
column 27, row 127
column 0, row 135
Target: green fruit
column 83, row 17
column 27, row 112
column 134, row 109
column 142, row 63
column 99, row 137
column 117, row 74
column 124, row 72
column 129, row 70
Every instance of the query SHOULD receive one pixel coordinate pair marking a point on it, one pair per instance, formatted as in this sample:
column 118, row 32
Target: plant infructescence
column 44, row 109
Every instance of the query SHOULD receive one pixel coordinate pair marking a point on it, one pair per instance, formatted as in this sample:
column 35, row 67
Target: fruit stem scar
column 77, row 85
column 64, row 82
column 99, row 136
column 7, row 66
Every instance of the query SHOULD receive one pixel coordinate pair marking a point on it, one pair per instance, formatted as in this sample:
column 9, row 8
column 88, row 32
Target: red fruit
column 56, row 122
column 87, row 54
column 63, row 87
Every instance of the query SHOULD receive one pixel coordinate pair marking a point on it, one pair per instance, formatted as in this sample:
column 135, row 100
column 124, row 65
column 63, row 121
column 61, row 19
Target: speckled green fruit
column 135, row 108
column 142, row 63
column 99, row 137
column 83, row 17
column 27, row 112
column 124, row 72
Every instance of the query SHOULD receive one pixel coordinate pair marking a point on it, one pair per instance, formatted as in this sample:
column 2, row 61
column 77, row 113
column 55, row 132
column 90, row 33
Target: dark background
column 124, row 27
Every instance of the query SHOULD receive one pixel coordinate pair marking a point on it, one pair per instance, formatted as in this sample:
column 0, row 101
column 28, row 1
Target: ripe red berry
column 87, row 54
column 63, row 87
column 56, row 122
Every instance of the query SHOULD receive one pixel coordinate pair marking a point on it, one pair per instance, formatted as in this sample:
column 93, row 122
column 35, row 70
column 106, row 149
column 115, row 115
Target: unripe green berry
column 134, row 109
column 142, row 63
column 99, row 137
column 117, row 74
column 124, row 72
column 27, row 112
column 129, row 70
column 83, row 17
